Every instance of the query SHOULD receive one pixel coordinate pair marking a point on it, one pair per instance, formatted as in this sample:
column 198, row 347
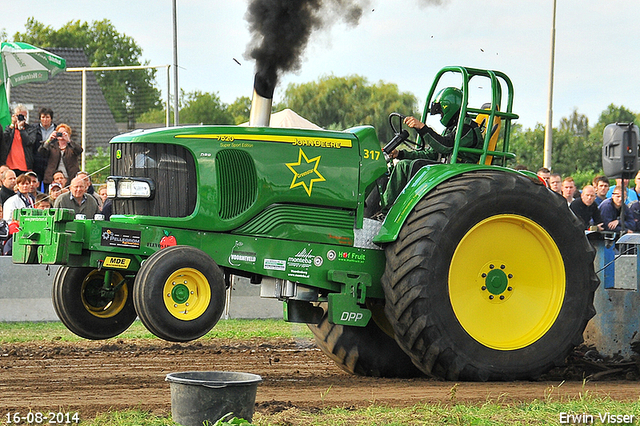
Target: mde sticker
column 116, row 262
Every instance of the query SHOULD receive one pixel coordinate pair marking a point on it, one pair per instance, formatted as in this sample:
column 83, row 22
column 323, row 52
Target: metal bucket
column 197, row 396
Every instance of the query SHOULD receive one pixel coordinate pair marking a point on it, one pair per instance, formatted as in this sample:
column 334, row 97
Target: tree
column 204, row 108
column 201, row 108
column 342, row 102
column 528, row 145
column 577, row 147
column 128, row 93
column 240, row 109
column 616, row 114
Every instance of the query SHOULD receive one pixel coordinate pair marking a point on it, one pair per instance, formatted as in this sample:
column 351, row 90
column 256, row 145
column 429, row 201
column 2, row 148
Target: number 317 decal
column 371, row 154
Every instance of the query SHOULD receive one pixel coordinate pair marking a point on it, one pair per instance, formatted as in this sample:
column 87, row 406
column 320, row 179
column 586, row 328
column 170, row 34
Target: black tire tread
column 407, row 304
column 363, row 351
column 67, row 303
column 151, row 310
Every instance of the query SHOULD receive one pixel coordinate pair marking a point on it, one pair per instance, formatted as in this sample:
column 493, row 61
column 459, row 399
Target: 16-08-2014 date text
column 38, row 418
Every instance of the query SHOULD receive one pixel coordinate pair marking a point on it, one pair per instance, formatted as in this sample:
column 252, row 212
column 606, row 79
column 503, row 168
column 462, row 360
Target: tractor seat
column 482, row 120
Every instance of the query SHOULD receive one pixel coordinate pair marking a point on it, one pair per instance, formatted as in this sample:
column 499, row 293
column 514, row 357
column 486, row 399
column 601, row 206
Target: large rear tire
column 83, row 305
column 364, row 351
column 491, row 278
column 179, row 293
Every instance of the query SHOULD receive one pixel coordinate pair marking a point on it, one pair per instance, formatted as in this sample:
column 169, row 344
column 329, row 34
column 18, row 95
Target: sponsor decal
column 116, row 262
column 300, row 263
column 305, row 172
column 275, row 264
column 241, row 256
column 341, row 240
column 120, row 238
column 352, row 257
column 168, row 240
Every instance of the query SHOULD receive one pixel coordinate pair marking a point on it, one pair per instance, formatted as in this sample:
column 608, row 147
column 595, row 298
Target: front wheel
column 88, row 307
column 491, row 278
column 179, row 293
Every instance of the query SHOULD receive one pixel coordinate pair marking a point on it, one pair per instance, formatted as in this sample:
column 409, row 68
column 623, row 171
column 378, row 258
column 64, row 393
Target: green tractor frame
column 478, row 271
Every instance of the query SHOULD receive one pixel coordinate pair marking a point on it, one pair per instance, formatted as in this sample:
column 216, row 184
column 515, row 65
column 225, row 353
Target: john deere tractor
column 477, row 272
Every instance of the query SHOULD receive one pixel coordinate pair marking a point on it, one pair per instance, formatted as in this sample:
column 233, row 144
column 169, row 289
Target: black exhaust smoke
column 280, row 32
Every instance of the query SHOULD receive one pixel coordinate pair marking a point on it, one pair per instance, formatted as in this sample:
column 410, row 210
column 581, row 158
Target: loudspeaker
column 620, row 150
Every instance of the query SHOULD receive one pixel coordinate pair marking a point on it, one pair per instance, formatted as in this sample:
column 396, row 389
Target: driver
column 447, row 103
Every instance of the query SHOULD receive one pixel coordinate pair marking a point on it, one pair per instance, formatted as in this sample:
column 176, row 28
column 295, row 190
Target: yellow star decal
column 309, row 169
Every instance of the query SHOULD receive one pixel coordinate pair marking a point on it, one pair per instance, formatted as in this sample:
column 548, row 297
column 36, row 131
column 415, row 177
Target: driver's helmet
column 447, row 103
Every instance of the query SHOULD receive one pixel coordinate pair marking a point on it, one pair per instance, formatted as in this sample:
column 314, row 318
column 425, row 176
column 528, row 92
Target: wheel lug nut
column 510, row 276
column 502, row 266
column 509, row 288
column 491, row 266
column 491, row 297
column 484, row 287
column 501, row 297
column 484, row 275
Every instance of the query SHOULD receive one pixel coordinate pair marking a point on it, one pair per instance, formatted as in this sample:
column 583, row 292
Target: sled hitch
column 347, row 308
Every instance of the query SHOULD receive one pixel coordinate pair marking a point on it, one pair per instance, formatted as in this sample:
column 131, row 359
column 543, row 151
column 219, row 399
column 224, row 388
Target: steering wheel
column 400, row 134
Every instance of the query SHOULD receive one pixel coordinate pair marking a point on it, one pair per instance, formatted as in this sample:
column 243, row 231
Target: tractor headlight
column 130, row 187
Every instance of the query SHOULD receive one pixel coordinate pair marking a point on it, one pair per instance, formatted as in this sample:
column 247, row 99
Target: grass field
column 550, row 410
column 13, row 332
column 583, row 410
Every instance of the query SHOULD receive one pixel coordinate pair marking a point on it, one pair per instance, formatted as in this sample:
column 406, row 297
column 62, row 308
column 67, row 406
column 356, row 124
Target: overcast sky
column 403, row 42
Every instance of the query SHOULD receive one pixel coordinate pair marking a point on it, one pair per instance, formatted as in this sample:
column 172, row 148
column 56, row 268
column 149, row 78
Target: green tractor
column 477, row 272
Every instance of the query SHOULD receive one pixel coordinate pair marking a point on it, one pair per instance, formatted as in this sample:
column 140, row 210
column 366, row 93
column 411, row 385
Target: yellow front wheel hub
column 101, row 303
column 187, row 294
column 506, row 282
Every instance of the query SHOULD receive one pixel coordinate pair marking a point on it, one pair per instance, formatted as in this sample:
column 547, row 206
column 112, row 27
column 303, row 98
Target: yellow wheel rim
column 507, row 282
column 92, row 300
column 187, row 294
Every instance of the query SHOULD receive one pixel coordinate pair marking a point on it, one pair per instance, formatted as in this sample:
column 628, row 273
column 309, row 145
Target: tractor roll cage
column 501, row 150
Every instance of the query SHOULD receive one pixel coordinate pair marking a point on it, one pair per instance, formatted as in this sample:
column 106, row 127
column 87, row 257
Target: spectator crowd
column 600, row 206
column 39, row 168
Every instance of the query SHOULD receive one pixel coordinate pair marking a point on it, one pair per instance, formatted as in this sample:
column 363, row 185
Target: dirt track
column 94, row 377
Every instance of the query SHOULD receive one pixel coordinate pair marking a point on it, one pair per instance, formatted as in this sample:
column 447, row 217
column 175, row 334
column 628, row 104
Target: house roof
column 63, row 94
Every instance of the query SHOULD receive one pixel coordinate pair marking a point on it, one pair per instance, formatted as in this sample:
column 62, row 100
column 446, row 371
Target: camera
column 21, row 117
column 58, row 134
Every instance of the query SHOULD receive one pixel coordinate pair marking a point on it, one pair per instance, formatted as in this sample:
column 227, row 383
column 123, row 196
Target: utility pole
column 176, row 119
column 548, row 131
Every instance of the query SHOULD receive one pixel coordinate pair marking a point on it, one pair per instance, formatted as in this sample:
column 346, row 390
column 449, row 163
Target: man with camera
column 17, row 142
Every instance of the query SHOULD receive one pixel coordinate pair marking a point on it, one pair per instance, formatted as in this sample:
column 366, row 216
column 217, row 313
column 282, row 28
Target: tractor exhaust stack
column 261, row 102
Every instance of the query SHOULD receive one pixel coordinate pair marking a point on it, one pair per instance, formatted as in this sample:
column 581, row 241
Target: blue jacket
column 610, row 212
